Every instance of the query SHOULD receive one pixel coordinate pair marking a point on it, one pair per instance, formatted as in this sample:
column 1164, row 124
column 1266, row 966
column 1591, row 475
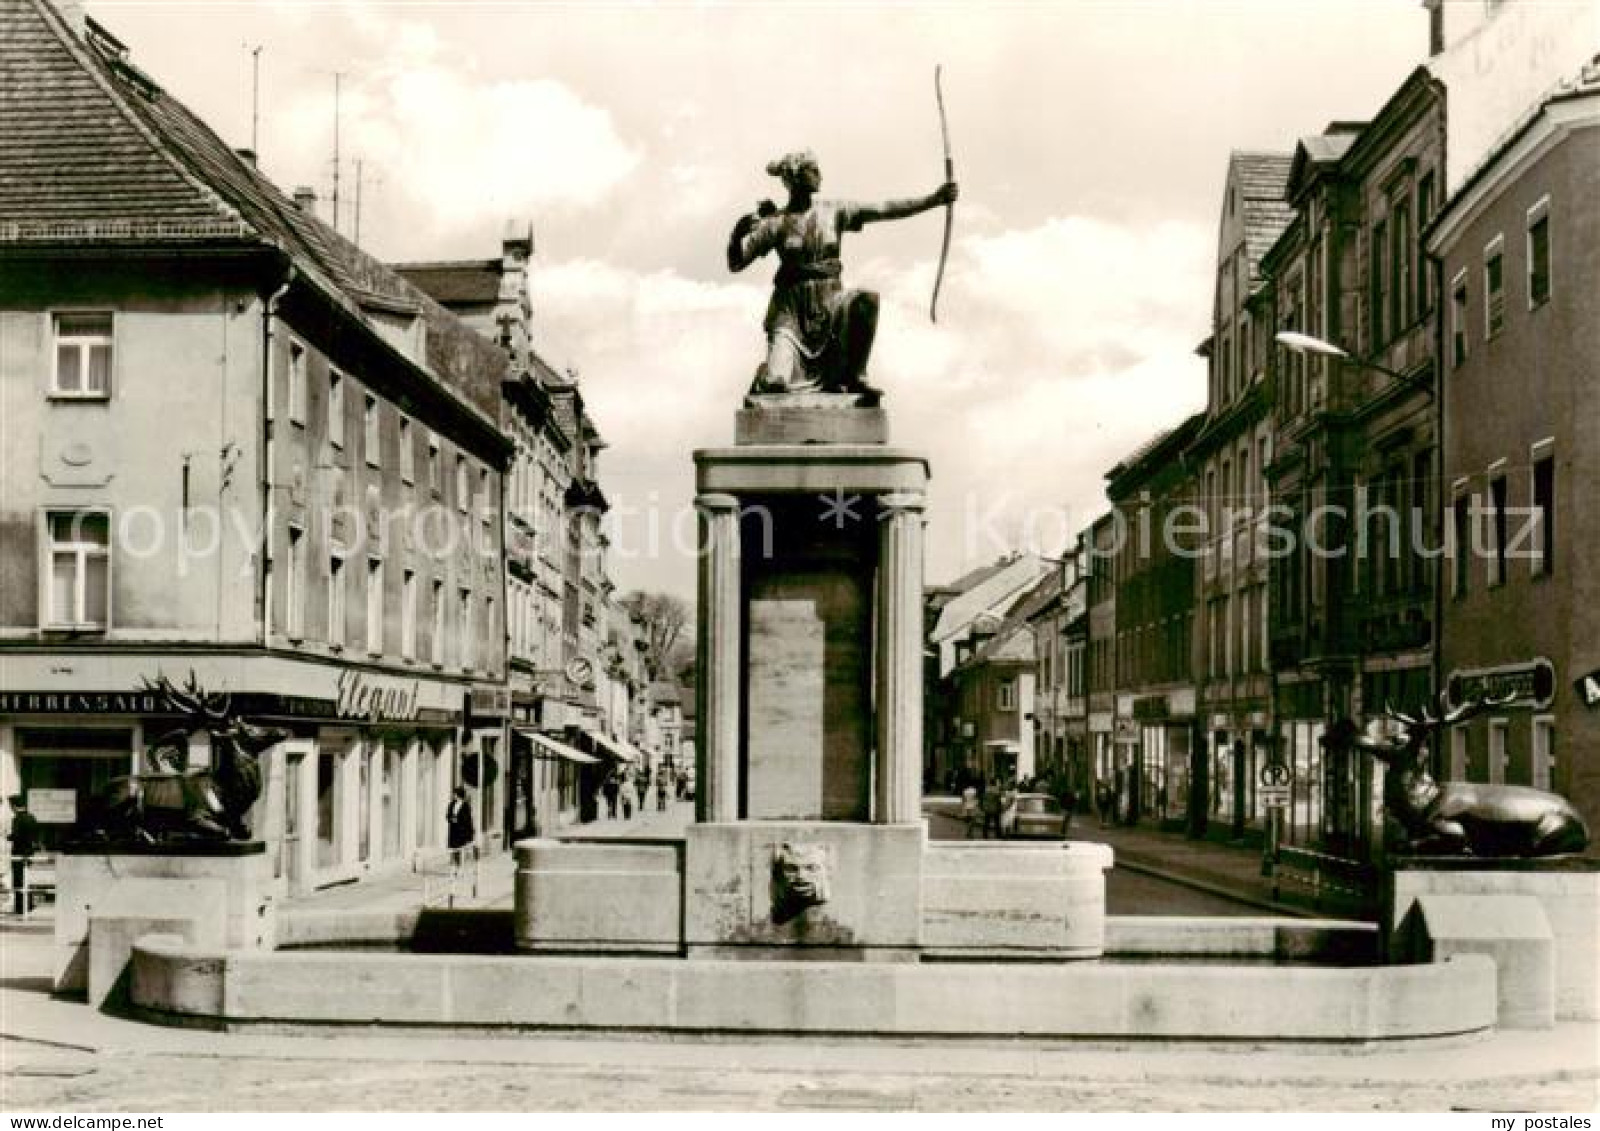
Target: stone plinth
column 872, row 874
column 820, row 418
column 601, row 895
column 984, row 900
column 87, row 877
column 810, row 693
column 1567, row 889
column 193, row 910
column 1511, row 929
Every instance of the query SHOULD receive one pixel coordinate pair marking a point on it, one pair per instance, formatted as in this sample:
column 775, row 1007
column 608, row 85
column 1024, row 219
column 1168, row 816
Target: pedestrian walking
column 459, row 829
column 661, row 792
column 970, row 814
column 630, row 798
column 612, row 789
column 991, row 810
column 1102, row 802
column 24, row 841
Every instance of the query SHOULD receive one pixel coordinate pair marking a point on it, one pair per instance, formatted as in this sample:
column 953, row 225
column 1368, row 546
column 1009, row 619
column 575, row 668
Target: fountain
column 806, row 898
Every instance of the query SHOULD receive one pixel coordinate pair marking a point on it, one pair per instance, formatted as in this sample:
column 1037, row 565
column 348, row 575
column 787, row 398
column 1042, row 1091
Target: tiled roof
column 91, row 148
column 72, row 155
column 1261, row 179
column 475, row 281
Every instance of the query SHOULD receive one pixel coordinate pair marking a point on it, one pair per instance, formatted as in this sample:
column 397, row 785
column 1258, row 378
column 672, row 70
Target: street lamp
column 1296, row 342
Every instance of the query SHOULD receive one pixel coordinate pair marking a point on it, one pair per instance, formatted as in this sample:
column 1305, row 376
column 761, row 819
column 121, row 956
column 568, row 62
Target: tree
column 663, row 618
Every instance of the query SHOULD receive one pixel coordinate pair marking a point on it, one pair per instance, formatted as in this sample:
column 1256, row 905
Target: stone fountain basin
column 1169, row 978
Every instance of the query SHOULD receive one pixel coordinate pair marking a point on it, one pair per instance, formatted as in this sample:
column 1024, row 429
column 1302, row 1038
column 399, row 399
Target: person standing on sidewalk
column 24, row 843
column 661, row 791
column 460, row 831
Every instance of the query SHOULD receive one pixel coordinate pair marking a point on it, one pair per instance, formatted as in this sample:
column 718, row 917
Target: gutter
column 264, row 469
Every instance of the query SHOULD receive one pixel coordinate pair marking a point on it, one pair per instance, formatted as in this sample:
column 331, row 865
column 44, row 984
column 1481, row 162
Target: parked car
column 1038, row 816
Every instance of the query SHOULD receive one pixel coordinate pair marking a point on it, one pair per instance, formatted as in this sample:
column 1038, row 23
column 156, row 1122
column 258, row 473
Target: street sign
column 1274, row 796
column 1275, row 773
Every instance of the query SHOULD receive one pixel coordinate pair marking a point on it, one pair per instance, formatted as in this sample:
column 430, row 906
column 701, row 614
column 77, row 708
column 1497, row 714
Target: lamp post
column 1296, row 342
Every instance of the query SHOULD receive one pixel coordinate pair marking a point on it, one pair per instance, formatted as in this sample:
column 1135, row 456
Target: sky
column 1090, row 140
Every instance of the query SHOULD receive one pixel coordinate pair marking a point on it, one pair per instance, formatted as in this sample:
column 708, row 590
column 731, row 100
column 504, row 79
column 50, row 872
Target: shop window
column 77, row 590
column 63, row 770
column 83, row 356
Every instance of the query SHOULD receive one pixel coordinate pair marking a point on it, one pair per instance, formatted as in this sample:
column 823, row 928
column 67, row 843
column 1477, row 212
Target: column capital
column 716, row 501
column 903, row 501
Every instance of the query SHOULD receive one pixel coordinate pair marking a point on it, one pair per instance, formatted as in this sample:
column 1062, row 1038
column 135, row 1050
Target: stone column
column 719, row 661
column 899, row 707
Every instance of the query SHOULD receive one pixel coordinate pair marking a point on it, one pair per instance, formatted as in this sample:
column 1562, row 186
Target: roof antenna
column 338, row 78
column 255, row 99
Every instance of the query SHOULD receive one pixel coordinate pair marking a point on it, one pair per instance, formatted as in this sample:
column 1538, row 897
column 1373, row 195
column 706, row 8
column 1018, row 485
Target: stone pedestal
column 159, row 882
column 1567, row 889
column 810, row 632
column 738, row 902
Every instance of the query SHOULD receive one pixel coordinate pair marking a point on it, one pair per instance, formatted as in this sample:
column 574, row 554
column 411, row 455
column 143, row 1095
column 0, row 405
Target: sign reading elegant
column 376, row 699
column 1532, row 684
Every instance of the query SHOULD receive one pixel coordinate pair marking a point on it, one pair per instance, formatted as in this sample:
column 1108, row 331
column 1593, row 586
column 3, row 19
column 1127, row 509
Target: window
column 336, row 408
column 297, row 382
column 78, row 581
column 1458, row 320
column 1008, row 695
column 336, row 601
column 464, row 629
column 1461, row 543
column 1425, row 201
column 435, row 468
column 1539, row 254
column 294, row 583
column 1379, row 283
column 436, row 642
column 484, row 509
column 462, row 483
column 83, row 356
column 1497, row 517
column 1494, row 294
column 1400, row 289
column 408, row 614
column 369, row 429
column 1544, row 752
column 408, row 453
column 375, row 606
column 1497, row 751
column 1544, row 509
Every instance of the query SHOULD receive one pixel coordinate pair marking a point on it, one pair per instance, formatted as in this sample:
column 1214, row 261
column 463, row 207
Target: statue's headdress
column 789, row 165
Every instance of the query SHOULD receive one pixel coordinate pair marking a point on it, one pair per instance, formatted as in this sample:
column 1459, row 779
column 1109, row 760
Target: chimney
column 516, row 246
column 305, row 199
column 1435, row 26
column 248, row 156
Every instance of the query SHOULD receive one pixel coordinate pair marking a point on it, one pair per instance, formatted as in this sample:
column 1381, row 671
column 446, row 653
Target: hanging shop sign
column 1532, row 684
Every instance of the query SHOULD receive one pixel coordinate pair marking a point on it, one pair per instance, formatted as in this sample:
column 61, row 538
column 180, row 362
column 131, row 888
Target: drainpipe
column 264, row 468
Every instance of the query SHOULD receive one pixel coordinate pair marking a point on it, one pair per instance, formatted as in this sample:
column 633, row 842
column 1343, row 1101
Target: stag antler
column 191, row 698
column 1453, row 715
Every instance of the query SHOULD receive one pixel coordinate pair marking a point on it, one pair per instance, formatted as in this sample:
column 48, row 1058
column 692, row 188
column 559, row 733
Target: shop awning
column 550, row 748
column 621, row 751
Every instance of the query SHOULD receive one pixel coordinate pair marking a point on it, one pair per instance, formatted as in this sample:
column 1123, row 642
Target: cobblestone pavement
column 55, row 1080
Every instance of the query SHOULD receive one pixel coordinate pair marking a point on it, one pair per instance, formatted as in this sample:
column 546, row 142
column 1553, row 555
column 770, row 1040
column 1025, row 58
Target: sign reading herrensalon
column 81, row 703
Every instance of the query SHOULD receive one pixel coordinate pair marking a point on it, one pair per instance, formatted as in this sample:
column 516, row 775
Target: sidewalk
column 1229, row 870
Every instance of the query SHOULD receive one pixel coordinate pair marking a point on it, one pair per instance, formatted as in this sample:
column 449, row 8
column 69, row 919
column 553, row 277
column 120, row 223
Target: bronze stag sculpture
column 1459, row 818
column 174, row 803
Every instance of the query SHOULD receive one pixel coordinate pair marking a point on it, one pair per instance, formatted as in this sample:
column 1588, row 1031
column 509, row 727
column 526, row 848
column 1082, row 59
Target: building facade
column 1519, row 252
column 1229, row 454
column 313, row 526
column 1153, row 496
